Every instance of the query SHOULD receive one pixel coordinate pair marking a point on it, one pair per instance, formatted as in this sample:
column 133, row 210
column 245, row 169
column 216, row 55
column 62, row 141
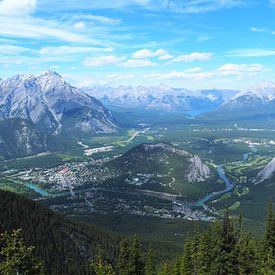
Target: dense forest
column 35, row 240
column 64, row 247
column 224, row 248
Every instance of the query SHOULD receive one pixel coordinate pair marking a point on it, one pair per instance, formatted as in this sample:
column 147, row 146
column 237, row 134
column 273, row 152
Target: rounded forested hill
column 63, row 246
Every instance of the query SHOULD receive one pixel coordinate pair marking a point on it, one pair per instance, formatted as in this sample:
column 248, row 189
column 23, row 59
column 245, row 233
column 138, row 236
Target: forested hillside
column 64, row 247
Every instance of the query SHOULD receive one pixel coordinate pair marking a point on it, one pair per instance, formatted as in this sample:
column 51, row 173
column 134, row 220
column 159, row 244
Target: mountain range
column 256, row 104
column 215, row 103
column 161, row 99
column 53, row 105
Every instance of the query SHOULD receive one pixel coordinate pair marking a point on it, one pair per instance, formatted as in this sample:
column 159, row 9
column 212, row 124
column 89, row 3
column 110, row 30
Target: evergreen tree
column 269, row 240
column 204, row 256
column 165, row 270
column 137, row 264
column 124, row 265
column 150, row 264
column 100, row 267
column 228, row 251
column 268, row 264
column 248, row 257
column 17, row 257
column 187, row 259
column 130, row 260
column 268, row 247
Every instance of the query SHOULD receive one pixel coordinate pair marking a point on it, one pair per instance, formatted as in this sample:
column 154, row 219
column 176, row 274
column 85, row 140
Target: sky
column 194, row 44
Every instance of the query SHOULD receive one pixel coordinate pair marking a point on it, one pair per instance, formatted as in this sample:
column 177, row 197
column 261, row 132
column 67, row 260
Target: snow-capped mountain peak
column 264, row 91
column 49, row 102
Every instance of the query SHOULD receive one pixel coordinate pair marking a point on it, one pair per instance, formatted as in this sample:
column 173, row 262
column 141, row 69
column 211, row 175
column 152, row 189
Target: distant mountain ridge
column 53, row 105
column 162, row 98
column 258, row 100
column 255, row 103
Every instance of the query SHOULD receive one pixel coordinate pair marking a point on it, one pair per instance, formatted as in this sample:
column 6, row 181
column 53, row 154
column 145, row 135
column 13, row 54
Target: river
column 229, row 185
column 37, row 189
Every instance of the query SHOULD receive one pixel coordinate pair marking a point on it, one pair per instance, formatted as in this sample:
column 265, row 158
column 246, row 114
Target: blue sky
column 182, row 43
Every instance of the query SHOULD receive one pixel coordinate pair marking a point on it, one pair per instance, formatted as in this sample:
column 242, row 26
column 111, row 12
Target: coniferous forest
column 35, row 240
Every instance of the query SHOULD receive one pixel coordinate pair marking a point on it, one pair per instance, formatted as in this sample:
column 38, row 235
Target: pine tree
column 165, row 270
column 187, row 259
column 248, row 257
column 204, row 257
column 17, row 257
column 268, row 264
column 124, row 265
column 150, row 265
column 101, row 267
column 137, row 263
column 269, row 240
column 228, row 252
column 268, row 252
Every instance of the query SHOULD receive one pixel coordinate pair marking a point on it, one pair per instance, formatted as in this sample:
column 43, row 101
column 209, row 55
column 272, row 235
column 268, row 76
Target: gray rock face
column 19, row 138
column 199, row 171
column 51, row 104
column 267, row 172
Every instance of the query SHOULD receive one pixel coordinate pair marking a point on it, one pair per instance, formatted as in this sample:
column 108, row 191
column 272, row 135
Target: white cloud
column 79, row 25
column 145, row 53
column 252, row 53
column 192, row 73
column 14, row 50
column 204, row 6
column 241, row 69
column 194, row 70
column 142, row 54
column 195, row 56
column 101, row 60
column 138, row 63
column 100, row 19
column 39, row 29
column 266, row 30
column 255, row 29
column 224, row 72
column 17, row 7
column 67, row 50
column 166, row 57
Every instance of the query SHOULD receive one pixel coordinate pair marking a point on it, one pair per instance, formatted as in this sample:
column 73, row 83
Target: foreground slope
column 65, row 247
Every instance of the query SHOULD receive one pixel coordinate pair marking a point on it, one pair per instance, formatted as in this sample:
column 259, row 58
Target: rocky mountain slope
column 267, row 172
column 53, row 105
column 19, row 138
